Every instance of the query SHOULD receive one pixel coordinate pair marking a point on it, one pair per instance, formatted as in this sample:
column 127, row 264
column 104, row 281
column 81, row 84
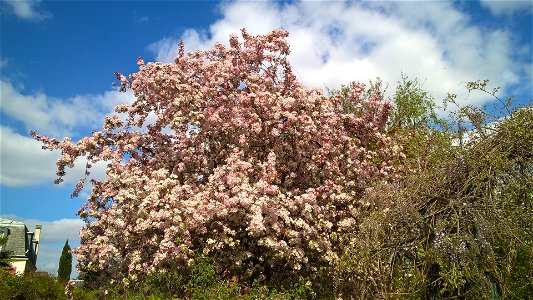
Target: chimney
column 36, row 238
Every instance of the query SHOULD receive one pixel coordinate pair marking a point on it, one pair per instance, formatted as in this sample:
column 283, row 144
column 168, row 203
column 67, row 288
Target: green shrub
column 202, row 282
column 37, row 285
column 80, row 293
column 10, row 285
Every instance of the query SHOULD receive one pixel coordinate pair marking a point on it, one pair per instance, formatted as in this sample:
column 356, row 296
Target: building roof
column 18, row 240
column 10, row 222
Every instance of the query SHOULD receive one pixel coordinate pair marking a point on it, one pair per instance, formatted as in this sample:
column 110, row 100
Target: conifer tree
column 65, row 264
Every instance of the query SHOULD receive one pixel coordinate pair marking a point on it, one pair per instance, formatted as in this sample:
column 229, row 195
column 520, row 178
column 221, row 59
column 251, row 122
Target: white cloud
column 333, row 43
column 24, row 163
column 53, row 237
column 501, row 7
column 27, row 9
column 59, row 117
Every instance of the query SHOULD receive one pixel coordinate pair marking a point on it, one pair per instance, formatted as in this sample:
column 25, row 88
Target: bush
column 31, row 286
column 458, row 226
column 203, row 282
column 10, row 285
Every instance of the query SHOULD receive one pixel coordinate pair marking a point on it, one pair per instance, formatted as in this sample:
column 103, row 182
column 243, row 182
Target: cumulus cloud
column 334, row 43
column 27, row 9
column 23, row 160
column 25, row 163
column 53, row 237
column 500, row 7
column 59, row 117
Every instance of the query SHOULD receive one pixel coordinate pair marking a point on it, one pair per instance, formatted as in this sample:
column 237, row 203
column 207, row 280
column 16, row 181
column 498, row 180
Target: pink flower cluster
column 242, row 164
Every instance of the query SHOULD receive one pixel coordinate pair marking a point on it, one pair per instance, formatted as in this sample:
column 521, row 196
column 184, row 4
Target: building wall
column 21, row 244
column 20, row 266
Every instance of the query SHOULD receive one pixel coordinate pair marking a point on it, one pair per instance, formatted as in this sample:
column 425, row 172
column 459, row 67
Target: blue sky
column 58, row 58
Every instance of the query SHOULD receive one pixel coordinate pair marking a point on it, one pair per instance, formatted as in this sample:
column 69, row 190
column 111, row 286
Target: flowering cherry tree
column 225, row 154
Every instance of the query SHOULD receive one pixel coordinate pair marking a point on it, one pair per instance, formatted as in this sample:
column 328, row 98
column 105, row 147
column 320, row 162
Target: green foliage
column 414, row 107
column 83, row 293
column 4, row 255
column 457, row 226
column 65, row 264
column 203, row 274
column 203, row 282
column 31, row 286
column 10, row 285
column 414, row 119
column 164, row 283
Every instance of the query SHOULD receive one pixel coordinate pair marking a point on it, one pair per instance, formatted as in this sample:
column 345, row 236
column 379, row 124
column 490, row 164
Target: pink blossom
column 258, row 168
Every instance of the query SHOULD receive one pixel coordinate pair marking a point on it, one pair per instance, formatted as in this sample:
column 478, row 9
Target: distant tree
column 414, row 107
column 65, row 264
column 4, row 254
